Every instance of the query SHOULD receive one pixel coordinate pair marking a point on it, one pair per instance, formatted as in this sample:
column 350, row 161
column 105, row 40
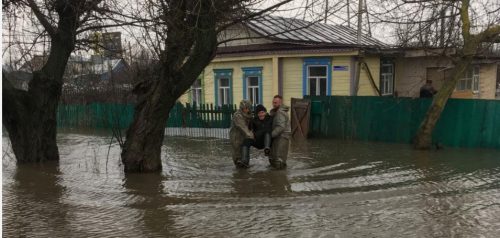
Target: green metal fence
column 108, row 115
column 464, row 122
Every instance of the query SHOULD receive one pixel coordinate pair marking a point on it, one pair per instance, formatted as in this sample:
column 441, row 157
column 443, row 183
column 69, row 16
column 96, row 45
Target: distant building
column 415, row 66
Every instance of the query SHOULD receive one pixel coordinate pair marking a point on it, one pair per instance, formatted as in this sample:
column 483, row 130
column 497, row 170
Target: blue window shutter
column 245, row 84
column 304, row 78
column 260, row 90
column 230, row 101
column 216, row 88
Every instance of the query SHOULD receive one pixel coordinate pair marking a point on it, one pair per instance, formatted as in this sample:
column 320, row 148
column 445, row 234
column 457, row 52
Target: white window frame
column 471, row 78
column 387, row 80
column 475, row 79
column 196, row 92
column 253, row 90
column 318, row 78
column 224, row 92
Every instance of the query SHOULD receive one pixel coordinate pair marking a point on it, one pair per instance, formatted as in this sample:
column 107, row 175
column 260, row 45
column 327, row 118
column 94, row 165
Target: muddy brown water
column 331, row 188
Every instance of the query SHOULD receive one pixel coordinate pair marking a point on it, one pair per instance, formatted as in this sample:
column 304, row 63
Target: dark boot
column 267, row 144
column 245, row 157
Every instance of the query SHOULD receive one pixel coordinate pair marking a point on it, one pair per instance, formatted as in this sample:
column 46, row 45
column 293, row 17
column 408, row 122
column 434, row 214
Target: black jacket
column 259, row 127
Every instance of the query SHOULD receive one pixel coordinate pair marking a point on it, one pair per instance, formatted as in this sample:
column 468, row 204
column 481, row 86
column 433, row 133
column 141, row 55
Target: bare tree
column 30, row 116
column 184, row 36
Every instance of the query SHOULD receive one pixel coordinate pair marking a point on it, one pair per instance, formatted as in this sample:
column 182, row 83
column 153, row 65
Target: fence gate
column 301, row 109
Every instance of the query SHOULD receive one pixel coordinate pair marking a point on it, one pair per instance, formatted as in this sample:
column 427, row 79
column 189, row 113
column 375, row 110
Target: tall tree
column 471, row 45
column 454, row 26
column 30, row 116
column 188, row 33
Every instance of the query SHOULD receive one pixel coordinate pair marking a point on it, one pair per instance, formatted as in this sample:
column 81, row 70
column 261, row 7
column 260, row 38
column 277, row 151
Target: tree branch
column 250, row 16
column 42, row 18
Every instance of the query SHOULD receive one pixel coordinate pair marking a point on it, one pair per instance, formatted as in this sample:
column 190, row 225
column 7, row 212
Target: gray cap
column 245, row 104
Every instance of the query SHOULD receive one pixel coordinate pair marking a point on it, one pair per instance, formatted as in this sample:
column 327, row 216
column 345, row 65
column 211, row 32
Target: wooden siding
column 365, row 86
column 341, row 80
column 487, row 81
column 292, row 78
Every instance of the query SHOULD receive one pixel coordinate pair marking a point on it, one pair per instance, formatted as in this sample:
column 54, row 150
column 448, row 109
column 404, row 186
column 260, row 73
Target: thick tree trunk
column 190, row 46
column 142, row 148
column 30, row 117
column 423, row 139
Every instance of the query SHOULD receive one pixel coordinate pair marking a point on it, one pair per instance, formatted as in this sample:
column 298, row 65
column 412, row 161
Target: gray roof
column 294, row 30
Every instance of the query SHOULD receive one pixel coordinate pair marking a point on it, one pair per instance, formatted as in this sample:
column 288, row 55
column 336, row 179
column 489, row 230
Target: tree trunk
column 30, row 117
column 188, row 51
column 423, row 139
column 142, row 148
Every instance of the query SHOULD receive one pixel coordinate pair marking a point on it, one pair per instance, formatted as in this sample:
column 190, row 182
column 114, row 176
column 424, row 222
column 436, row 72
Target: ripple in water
column 330, row 188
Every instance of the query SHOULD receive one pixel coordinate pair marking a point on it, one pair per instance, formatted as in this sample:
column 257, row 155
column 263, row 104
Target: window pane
column 224, row 82
column 469, row 83
column 475, row 83
column 250, row 94
column 228, row 99
column 253, row 81
column 312, row 86
column 197, row 83
column 317, row 71
column 256, row 99
column 322, row 87
column 221, row 96
column 462, row 84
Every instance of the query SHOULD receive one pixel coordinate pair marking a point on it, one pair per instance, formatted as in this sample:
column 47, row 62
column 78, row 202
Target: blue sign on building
column 340, row 68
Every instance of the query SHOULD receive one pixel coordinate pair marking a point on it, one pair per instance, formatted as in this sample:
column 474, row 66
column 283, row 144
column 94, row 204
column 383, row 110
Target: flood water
column 331, row 188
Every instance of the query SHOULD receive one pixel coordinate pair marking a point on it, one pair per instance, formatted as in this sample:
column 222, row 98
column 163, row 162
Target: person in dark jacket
column 262, row 126
column 427, row 91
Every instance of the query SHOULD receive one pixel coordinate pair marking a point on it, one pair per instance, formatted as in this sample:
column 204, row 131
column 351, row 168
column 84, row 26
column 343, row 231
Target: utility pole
column 326, row 11
column 349, row 13
column 360, row 20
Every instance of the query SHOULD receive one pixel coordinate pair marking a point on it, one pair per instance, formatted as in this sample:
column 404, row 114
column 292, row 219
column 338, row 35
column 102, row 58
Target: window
column 387, row 78
column 253, row 89
column 224, row 92
column 196, row 92
column 317, row 77
column 223, row 85
column 252, row 84
column 470, row 81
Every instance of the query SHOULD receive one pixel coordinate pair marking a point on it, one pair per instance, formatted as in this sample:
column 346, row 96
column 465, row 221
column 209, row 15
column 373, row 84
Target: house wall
column 292, row 78
column 237, row 80
column 411, row 73
column 365, row 86
column 487, row 81
column 341, row 79
column 292, row 74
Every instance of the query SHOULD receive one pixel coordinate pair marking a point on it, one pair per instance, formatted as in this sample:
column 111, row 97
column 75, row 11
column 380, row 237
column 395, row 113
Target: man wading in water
column 241, row 136
column 280, row 133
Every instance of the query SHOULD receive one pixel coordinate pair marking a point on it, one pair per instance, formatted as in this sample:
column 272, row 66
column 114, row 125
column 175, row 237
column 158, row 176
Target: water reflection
column 330, row 188
column 268, row 183
column 35, row 207
column 146, row 193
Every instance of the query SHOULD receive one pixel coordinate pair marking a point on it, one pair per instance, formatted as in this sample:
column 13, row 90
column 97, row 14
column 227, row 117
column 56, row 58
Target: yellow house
column 293, row 58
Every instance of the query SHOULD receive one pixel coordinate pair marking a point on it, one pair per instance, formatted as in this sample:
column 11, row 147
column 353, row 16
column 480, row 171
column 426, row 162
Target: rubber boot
column 245, row 157
column 267, row 144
